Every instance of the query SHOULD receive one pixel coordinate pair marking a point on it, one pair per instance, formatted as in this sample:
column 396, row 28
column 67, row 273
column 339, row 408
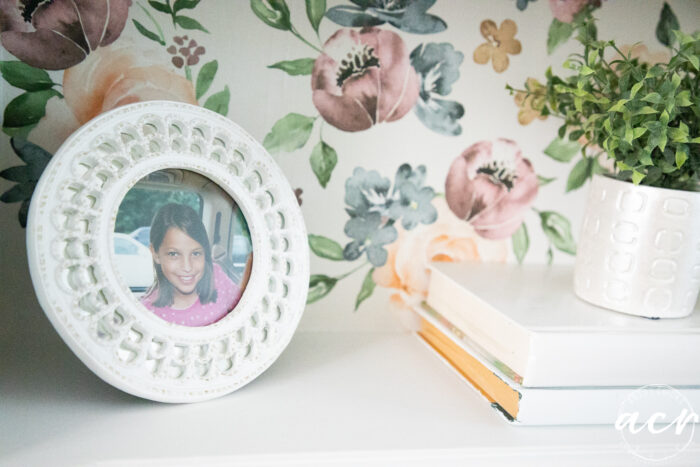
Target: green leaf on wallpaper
column 366, row 290
column 542, row 181
column 219, row 102
column 562, row 150
column 521, row 242
column 275, row 15
column 301, row 66
column 558, row 229
column 205, row 77
column 159, row 6
column 185, row 22
column 184, row 4
column 23, row 76
column 666, row 25
column 559, row 32
column 289, row 133
column 19, row 192
column 324, row 247
column 319, row 287
column 147, row 33
column 25, row 111
column 579, row 174
column 315, row 9
column 323, row 160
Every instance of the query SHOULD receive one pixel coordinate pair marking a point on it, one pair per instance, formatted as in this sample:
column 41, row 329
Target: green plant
column 645, row 117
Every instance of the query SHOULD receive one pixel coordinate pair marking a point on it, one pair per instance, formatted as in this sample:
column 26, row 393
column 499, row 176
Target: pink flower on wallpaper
column 110, row 77
column 491, row 186
column 363, row 78
column 565, row 10
column 61, row 33
column 448, row 239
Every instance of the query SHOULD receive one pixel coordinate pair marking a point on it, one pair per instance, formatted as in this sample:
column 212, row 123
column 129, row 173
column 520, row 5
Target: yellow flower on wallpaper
column 500, row 42
column 531, row 103
column 448, row 239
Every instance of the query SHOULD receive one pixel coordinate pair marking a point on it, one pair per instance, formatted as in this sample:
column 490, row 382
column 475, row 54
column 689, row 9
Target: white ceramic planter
column 639, row 249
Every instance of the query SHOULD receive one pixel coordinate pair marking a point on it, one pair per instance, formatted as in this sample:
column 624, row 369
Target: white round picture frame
column 69, row 243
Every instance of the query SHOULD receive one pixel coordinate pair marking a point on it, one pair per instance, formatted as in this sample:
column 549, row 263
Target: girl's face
column 182, row 260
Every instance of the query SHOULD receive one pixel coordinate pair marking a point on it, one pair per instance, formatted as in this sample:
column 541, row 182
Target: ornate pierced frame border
column 71, row 221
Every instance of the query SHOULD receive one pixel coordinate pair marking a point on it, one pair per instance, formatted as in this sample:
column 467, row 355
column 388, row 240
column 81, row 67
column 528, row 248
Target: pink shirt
column 227, row 296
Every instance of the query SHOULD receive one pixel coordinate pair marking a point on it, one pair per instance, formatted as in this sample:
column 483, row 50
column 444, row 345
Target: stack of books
column 541, row 356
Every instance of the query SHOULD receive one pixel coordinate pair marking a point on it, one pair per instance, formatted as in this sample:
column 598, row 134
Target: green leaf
column 160, row 6
column 694, row 60
column 646, row 110
column 681, row 157
column 276, row 16
column 683, row 99
column 619, row 106
column 205, row 77
column 27, row 109
column 366, row 290
column 19, row 192
column 653, row 97
column 324, row 247
column 562, row 150
column 315, row 9
column 667, row 23
column 184, row 4
column 558, row 230
column 319, row 287
column 146, row 33
column 219, row 102
column 289, row 133
column 301, row 66
column 635, row 89
column 19, row 174
column 637, row 132
column 186, row 22
column 323, row 160
column 559, row 32
column 579, row 174
column 585, row 70
column 23, row 76
column 542, row 181
column 521, row 242
column 637, row 177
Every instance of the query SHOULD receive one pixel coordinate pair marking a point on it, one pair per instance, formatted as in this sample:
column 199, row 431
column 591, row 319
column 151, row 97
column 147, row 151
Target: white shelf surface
column 332, row 398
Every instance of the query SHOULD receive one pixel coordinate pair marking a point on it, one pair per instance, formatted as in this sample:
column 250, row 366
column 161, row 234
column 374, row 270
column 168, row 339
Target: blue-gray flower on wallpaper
column 406, row 15
column 438, row 67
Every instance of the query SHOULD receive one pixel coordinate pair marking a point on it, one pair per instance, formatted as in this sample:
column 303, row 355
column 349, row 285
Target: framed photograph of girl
column 183, row 246
column 169, row 251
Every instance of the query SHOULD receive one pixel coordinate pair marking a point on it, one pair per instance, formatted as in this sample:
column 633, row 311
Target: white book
column 528, row 318
column 551, row 405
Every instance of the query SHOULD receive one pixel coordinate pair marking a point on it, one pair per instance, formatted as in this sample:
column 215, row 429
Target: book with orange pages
column 528, row 318
column 583, row 405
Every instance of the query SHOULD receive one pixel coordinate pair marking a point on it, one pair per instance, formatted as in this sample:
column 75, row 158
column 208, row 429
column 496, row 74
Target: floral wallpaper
column 412, row 129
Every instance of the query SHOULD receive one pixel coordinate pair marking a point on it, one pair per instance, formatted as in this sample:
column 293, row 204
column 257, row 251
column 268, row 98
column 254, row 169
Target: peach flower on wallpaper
column 363, row 78
column 108, row 78
column 491, row 186
column 447, row 239
column 500, row 41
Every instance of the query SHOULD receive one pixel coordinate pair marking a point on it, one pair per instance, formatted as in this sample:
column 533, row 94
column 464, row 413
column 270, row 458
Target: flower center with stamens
column 30, row 6
column 500, row 172
column 357, row 61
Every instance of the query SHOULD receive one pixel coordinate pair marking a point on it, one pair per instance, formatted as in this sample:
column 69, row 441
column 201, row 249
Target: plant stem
column 343, row 276
column 299, row 36
column 188, row 73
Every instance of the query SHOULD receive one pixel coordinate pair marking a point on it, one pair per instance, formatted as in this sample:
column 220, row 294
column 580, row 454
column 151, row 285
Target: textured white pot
column 639, row 249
